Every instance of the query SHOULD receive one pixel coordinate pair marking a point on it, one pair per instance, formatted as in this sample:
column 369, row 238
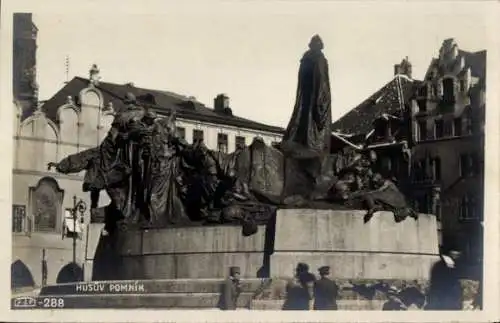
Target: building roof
column 161, row 101
column 390, row 99
column 477, row 63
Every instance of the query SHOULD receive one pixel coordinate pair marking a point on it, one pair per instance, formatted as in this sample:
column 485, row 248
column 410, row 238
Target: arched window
column 46, row 205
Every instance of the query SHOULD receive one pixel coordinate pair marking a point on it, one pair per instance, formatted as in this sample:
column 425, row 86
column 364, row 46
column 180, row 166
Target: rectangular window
column 438, row 129
column 198, row 136
column 475, row 165
column 436, row 169
column 448, row 90
column 466, row 165
column 422, row 91
column 469, row 208
column 468, row 121
column 181, row 132
column 240, row 142
column 422, row 130
column 18, row 218
column 448, row 128
column 222, row 142
column 417, row 171
column 457, row 127
column 422, row 105
column 463, row 86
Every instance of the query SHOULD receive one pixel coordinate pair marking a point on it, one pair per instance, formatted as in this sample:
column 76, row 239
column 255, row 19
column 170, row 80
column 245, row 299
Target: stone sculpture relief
column 156, row 179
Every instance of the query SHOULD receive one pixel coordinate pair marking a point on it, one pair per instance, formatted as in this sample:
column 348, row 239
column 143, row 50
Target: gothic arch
column 70, row 273
column 92, row 104
column 67, row 106
column 20, row 275
column 68, row 117
column 81, row 96
column 34, row 121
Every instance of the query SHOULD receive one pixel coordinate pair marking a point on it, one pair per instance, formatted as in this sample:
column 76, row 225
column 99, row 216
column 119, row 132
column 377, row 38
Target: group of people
column 304, row 288
column 305, row 291
column 300, row 291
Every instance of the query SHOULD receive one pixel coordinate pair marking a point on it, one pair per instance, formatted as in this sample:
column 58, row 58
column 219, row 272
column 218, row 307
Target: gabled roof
column 390, row 99
column 160, row 101
column 476, row 61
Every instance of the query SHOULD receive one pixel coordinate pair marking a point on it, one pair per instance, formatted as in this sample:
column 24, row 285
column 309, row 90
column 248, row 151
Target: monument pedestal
column 192, row 252
column 379, row 249
column 184, row 267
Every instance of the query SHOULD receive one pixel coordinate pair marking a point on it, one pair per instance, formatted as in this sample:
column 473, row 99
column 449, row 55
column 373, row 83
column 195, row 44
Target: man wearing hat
column 325, row 291
column 230, row 290
column 393, row 303
column 445, row 291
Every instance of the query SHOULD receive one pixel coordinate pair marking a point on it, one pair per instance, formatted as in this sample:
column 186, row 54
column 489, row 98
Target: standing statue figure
column 308, row 132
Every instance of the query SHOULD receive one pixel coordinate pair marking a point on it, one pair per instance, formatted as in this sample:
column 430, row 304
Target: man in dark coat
column 325, row 291
column 230, row 290
column 393, row 303
column 445, row 290
column 300, row 290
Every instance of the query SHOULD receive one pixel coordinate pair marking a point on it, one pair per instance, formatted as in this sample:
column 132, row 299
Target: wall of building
column 448, row 140
column 38, row 141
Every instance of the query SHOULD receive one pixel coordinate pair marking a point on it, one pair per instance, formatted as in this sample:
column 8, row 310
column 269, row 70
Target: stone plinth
column 192, row 252
column 379, row 249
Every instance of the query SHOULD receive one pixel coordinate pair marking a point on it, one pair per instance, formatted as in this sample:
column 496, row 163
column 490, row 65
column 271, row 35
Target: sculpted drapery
column 155, row 178
column 308, row 132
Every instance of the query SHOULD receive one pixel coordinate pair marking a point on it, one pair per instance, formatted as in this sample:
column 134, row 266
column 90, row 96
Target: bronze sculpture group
column 154, row 178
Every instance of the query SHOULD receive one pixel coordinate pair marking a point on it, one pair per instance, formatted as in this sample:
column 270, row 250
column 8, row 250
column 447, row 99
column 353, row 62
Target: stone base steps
column 152, row 301
column 257, row 294
column 343, row 305
column 189, row 301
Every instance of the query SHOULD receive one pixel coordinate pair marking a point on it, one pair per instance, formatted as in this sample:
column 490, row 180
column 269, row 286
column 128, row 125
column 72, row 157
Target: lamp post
column 79, row 206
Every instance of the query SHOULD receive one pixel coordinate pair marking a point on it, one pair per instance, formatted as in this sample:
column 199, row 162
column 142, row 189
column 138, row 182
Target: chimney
column 403, row 68
column 221, row 103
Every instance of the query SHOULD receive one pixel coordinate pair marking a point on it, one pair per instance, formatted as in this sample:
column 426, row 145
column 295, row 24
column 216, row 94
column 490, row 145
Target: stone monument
column 181, row 211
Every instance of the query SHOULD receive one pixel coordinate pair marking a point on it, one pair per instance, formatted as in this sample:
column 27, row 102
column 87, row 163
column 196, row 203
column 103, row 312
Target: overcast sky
column 249, row 50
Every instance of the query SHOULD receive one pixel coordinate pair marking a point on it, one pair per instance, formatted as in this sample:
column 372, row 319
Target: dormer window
column 422, row 130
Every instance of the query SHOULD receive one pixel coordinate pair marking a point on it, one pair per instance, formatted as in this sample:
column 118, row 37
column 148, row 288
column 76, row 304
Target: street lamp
column 79, row 206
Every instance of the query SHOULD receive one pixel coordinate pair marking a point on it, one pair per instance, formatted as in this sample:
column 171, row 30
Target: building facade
column 447, row 118
column 48, row 247
column 429, row 135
